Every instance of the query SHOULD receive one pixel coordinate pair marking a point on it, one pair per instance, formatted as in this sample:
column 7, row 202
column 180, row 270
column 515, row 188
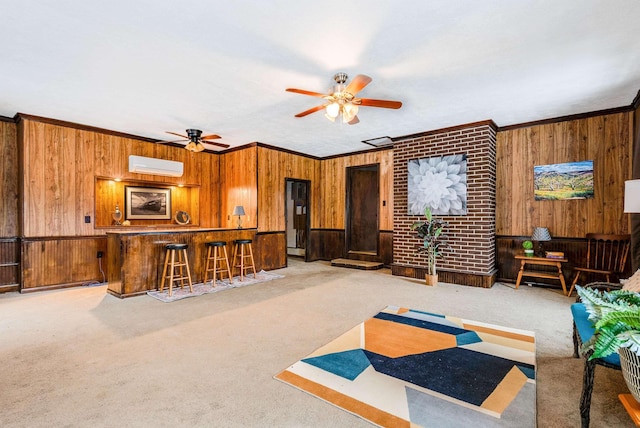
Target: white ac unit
column 144, row 165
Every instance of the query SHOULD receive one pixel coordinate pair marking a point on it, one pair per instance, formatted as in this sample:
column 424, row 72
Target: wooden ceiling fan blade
column 379, row 103
column 179, row 135
column 311, row 110
column 358, row 82
column 212, row 136
column 354, row 120
column 214, row 143
column 303, row 92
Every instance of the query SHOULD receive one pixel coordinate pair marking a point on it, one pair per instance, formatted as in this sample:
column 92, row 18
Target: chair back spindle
column 607, row 252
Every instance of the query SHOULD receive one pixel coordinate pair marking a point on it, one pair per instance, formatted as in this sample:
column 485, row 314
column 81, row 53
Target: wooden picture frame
column 147, row 203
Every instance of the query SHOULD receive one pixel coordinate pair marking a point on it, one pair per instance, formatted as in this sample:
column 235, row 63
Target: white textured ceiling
column 147, row 66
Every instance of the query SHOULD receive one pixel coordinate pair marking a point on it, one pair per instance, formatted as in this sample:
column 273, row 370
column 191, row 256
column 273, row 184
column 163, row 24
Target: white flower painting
column 439, row 183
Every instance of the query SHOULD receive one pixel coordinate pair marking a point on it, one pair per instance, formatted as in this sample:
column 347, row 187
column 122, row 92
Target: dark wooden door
column 362, row 209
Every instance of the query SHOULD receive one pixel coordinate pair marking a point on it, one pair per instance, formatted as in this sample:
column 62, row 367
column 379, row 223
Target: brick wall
column 471, row 250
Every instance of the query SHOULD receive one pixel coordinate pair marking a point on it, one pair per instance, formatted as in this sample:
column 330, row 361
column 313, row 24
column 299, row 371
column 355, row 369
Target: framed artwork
column 439, row 183
column 572, row 180
column 147, row 203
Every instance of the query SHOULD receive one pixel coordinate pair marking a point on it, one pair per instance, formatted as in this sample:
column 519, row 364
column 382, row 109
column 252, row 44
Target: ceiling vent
column 144, row 165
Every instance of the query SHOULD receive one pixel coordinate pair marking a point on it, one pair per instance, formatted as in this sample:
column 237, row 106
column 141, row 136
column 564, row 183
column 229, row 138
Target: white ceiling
column 147, row 66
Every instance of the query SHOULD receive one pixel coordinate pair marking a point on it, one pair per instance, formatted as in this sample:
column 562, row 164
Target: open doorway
column 363, row 188
column 297, row 216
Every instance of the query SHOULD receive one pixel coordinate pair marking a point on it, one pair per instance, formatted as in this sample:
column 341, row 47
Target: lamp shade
column 238, row 210
column 541, row 234
column 632, row 196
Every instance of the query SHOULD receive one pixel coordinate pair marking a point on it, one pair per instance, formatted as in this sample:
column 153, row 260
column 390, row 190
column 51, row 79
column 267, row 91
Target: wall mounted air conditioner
column 144, row 165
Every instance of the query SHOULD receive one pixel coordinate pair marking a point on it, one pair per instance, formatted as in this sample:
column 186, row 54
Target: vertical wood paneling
column 604, row 139
column 238, row 186
column 62, row 165
column 61, row 262
column 333, row 172
column 274, row 166
column 9, row 170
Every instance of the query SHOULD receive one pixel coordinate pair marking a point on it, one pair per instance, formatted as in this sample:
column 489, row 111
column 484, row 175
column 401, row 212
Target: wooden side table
column 632, row 407
column 542, row 261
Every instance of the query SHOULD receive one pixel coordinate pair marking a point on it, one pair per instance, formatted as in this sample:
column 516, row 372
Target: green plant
column 616, row 318
column 527, row 245
column 433, row 239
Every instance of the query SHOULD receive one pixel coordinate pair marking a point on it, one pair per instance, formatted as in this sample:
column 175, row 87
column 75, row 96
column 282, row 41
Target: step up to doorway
column 356, row 264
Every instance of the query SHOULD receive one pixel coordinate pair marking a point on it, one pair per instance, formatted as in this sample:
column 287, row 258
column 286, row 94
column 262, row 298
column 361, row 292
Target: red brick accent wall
column 471, row 247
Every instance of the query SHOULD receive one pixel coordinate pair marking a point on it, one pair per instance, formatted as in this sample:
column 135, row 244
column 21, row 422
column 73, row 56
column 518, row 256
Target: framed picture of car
column 147, row 203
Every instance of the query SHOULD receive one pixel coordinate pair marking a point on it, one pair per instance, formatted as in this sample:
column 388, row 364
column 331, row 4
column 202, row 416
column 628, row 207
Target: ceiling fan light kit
column 196, row 139
column 342, row 101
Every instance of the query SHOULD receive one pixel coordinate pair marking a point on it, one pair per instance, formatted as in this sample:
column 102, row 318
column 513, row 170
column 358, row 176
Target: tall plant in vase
column 433, row 241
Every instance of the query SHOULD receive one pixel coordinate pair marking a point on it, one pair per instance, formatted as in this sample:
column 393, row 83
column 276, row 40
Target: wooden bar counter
column 135, row 255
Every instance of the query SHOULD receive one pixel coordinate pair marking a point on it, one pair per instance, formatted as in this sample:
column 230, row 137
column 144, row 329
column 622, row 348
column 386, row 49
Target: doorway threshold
column 364, row 253
column 356, row 264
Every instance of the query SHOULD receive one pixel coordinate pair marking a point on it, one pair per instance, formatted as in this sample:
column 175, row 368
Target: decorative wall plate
column 182, row 217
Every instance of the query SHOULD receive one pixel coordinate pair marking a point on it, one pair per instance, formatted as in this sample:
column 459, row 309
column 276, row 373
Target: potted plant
column 616, row 318
column 528, row 248
column 433, row 240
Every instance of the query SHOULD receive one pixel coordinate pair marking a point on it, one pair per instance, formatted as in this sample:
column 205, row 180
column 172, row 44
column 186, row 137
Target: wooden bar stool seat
column 217, row 259
column 243, row 253
column 175, row 264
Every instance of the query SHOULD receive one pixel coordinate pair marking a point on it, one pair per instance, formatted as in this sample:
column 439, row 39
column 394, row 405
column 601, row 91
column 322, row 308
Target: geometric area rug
column 413, row 368
column 208, row 287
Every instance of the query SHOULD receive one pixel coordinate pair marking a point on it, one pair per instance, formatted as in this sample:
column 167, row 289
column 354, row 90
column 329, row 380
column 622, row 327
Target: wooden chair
column 606, row 255
column 582, row 331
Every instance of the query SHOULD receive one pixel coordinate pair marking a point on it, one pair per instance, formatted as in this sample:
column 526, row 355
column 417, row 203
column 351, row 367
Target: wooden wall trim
column 567, row 118
column 636, row 101
column 22, row 116
column 291, row 152
column 473, row 279
column 7, row 119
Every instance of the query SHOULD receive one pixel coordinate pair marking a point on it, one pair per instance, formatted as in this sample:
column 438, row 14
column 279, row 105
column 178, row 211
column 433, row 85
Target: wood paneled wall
column 61, row 164
column 110, row 192
column 634, row 219
column 333, row 191
column 605, row 139
column 238, row 186
column 62, row 262
column 274, row 167
column 9, row 182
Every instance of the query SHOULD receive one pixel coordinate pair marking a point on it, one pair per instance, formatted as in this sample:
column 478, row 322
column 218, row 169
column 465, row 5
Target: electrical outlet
column 100, row 254
column 87, row 219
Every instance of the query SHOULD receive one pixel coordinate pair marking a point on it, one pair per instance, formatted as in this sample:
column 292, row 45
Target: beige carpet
column 80, row 357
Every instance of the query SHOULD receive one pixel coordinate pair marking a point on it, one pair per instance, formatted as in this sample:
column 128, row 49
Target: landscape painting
column 572, row 180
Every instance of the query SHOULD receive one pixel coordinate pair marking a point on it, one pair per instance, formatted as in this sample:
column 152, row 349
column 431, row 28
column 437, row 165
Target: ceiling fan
column 342, row 100
column 196, row 139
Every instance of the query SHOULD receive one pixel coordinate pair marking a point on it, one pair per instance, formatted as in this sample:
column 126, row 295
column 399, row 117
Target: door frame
column 347, row 217
column 308, row 219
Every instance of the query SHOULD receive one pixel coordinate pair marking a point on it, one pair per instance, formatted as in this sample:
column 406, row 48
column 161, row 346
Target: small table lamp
column 540, row 234
column 239, row 211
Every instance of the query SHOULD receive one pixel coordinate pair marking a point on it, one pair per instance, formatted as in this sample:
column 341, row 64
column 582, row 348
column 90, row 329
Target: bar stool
column 216, row 260
column 175, row 267
column 239, row 251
